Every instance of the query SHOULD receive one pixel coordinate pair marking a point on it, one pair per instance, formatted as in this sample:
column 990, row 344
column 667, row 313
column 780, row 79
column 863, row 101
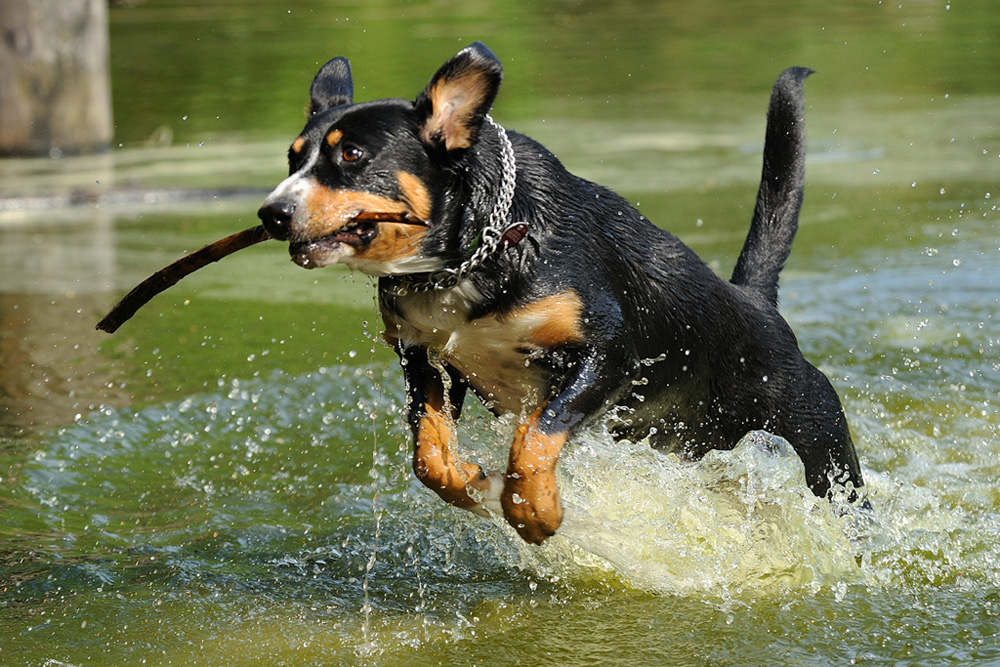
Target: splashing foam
column 734, row 520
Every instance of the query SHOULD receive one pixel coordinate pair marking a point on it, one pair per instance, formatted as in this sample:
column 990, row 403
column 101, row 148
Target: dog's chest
column 498, row 353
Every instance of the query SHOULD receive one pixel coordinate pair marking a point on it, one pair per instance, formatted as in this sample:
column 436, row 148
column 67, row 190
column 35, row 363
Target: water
column 226, row 480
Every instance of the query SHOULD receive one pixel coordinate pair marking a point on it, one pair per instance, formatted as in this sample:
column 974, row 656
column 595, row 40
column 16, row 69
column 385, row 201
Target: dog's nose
column 277, row 218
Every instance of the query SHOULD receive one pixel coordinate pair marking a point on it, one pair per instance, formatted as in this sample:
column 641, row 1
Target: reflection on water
column 226, row 481
column 49, row 270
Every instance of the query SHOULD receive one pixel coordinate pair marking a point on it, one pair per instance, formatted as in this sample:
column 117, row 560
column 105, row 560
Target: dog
column 548, row 296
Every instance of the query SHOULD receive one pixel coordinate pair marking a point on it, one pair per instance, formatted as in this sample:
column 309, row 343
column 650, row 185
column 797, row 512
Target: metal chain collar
column 495, row 235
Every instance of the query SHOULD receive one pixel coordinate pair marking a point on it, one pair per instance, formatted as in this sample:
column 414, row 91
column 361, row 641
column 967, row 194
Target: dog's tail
column 776, row 214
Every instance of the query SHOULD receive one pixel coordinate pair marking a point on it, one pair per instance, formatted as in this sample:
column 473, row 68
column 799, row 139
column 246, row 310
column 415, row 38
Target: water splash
column 737, row 519
column 273, row 495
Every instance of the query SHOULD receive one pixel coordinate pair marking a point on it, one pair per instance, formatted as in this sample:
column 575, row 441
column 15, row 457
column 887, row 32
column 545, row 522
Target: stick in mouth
column 170, row 275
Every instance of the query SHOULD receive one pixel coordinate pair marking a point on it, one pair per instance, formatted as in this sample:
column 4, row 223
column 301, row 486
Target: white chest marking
column 496, row 353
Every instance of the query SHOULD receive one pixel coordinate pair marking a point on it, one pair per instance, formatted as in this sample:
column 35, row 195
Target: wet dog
column 548, row 296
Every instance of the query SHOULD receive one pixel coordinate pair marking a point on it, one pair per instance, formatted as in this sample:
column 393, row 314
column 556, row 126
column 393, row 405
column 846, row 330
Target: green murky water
column 226, row 480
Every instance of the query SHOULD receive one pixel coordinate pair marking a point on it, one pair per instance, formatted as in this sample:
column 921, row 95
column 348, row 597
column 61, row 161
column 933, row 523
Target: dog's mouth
column 306, row 253
column 356, row 235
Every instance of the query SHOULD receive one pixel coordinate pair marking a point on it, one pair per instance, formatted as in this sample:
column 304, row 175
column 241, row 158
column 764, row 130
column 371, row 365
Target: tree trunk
column 55, row 93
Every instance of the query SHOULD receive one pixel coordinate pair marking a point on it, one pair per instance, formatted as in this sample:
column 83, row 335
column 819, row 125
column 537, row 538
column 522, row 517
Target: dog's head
column 366, row 181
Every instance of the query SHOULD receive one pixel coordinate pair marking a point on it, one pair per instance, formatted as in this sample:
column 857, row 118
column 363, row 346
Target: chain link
column 492, row 233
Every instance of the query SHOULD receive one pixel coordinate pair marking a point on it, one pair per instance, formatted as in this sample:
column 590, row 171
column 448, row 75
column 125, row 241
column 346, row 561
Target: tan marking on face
column 298, row 144
column 530, row 497
column 559, row 320
column 334, row 137
column 327, row 211
column 416, row 195
column 394, row 241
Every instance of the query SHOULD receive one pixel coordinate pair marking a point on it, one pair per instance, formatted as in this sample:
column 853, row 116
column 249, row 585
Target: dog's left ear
column 332, row 86
column 452, row 107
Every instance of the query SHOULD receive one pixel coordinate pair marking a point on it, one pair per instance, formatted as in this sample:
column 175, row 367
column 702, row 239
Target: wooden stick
column 168, row 276
column 402, row 217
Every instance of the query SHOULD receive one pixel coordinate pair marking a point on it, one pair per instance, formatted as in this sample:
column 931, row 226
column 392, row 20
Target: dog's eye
column 352, row 153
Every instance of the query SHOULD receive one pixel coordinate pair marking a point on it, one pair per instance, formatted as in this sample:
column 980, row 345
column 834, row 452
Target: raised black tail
column 776, row 214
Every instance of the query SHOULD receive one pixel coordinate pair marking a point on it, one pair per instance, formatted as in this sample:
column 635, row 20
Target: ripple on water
column 263, row 496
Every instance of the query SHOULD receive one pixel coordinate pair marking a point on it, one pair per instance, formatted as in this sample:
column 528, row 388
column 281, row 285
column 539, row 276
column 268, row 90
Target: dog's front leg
column 436, row 396
column 530, row 497
column 458, row 483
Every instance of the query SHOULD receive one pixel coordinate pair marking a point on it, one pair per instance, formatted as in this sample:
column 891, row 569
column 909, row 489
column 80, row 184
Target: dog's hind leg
column 779, row 198
column 817, row 429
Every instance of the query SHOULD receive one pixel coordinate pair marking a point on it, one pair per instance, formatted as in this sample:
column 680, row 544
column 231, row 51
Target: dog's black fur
column 596, row 312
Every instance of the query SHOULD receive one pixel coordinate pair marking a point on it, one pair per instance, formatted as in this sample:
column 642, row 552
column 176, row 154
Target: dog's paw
column 531, row 505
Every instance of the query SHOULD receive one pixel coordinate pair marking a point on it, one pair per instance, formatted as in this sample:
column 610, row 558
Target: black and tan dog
column 549, row 296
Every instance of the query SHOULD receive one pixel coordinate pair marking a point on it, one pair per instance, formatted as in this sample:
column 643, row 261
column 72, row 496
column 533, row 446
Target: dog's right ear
column 332, row 86
column 453, row 106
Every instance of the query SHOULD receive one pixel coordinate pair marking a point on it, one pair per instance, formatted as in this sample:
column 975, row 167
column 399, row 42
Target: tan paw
column 531, row 505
